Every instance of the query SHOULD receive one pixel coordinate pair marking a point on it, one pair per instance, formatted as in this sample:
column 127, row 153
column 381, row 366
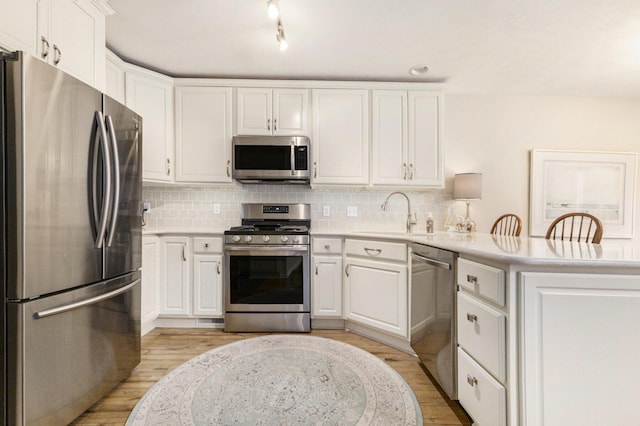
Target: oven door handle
column 266, row 248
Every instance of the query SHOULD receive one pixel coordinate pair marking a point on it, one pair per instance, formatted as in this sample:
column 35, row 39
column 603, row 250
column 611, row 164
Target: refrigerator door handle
column 82, row 303
column 115, row 161
column 101, row 220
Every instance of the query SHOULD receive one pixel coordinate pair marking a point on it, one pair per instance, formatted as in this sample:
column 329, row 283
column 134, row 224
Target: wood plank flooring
column 163, row 349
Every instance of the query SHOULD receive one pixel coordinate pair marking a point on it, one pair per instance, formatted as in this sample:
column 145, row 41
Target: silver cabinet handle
column 316, row 269
column 410, row 171
column 472, row 380
column 404, row 171
column 184, row 256
column 45, row 47
column 86, row 302
column 218, row 267
column 116, row 180
column 168, row 167
column 472, row 279
column 346, row 270
column 315, row 169
column 57, row 55
column 327, row 247
column 228, row 168
column 372, row 252
column 268, row 124
column 206, row 245
column 472, row 318
column 275, row 124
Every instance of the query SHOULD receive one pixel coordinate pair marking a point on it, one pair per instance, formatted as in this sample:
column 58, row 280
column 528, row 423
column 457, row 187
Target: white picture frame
column 599, row 183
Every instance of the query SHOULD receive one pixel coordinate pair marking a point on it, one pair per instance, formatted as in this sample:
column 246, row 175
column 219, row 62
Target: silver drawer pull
column 472, row 318
column 316, row 269
column 472, row 279
column 472, row 380
column 206, row 245
column 327, row 247
column 372, row 252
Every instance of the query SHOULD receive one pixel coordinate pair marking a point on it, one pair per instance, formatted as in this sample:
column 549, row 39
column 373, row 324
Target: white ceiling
column 557, row 47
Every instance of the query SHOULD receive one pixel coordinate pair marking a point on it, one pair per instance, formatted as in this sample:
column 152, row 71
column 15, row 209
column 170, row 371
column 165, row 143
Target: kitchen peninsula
column 547, row 330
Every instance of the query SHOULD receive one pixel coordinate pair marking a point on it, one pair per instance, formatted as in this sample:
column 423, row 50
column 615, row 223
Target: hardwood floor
column 163, row 349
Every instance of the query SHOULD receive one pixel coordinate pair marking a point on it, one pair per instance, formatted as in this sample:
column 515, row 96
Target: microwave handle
column 293, row 159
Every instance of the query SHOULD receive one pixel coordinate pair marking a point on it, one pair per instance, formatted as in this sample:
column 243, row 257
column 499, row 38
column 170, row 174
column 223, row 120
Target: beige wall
column 493, row 135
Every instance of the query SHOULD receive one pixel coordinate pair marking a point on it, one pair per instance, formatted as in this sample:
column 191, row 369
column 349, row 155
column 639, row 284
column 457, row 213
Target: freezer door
column 50, row 229
column 67, row 351
column 124, row 233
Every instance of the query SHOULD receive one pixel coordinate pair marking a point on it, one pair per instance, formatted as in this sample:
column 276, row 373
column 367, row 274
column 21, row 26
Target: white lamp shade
column 467, row 186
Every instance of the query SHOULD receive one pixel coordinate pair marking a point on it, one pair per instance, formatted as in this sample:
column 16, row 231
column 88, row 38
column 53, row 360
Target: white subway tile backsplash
column 187, row 207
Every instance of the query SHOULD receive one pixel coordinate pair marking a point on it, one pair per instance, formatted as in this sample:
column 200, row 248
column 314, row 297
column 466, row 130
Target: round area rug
column 280, row 380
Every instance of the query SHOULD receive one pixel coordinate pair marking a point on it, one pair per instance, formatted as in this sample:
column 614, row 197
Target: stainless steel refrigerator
column 71, row 242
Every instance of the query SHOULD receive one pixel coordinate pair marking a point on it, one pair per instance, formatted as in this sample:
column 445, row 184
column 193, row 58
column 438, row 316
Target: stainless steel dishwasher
column 433, row 313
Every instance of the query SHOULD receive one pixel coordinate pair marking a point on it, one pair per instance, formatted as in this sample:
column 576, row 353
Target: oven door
column 267, row 279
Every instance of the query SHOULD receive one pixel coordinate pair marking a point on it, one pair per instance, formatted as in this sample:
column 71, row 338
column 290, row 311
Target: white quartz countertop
column 523, row 250
column 517, row 250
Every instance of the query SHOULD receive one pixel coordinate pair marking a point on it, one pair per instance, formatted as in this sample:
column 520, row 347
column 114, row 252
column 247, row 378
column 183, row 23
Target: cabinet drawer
column 207, row 245
column 483, row 280
column 326, row 245
column 376, row 250
column 481, row 332
column 480, row 394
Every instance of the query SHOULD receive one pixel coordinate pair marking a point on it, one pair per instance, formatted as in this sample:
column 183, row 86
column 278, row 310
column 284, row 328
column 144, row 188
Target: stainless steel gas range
column 267, row 266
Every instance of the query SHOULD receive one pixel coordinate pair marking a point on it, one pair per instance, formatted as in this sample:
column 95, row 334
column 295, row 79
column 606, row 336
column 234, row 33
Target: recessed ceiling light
column 418, row 70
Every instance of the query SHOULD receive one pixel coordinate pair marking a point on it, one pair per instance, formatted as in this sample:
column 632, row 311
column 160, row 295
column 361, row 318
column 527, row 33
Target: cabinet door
column 254, row 111
column 75, row 38
column 424, row 141
column 175, row 279
column 580, row 349
column 326, row 287
column 151, row 95
column 203, row 134
column 207, row 285
column 290, row 110
column 389, row 137
column 340, row 136
column 376, row 295
column 150, row 279
column 114, row 85
column 18, row 28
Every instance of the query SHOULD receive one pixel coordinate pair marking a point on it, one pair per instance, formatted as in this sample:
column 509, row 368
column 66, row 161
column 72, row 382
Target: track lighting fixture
column 282, row 41
column 273, row 8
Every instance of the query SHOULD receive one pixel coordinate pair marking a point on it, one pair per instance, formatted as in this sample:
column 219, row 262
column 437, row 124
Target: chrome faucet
column 411, row 218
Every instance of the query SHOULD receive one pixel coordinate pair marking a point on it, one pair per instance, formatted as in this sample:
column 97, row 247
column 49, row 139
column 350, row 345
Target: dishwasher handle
column 433, row 262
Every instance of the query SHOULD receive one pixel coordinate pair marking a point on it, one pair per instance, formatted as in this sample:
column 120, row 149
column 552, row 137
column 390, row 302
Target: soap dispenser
column 429, row 223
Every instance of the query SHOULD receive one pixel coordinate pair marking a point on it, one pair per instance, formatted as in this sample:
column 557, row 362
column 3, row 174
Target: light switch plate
column 216, row 208
column 352, row 211
column 146, row 207
column 326, row 211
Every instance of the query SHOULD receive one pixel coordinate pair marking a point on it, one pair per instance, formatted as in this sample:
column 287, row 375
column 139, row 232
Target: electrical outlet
column 216, row 208
column 326, row 211
column 352, row 211
column 146, row 207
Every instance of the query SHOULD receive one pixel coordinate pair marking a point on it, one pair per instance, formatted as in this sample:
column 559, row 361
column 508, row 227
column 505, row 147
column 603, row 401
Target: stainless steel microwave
column 271, row 159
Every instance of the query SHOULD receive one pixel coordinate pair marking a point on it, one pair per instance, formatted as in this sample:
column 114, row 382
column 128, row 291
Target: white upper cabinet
column 263, row 111
column 203, row 134
column 406, row 142
column 340, row 140
column 71, row 36
column 151, row 96
column 19, row 27
column 114, row 85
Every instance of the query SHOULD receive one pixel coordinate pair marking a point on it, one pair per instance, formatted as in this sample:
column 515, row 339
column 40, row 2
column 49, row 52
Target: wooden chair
column 507, row 224
column 576, row 227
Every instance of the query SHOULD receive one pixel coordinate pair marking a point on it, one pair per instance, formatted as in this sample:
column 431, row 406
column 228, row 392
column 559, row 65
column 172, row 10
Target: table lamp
column 467, row 187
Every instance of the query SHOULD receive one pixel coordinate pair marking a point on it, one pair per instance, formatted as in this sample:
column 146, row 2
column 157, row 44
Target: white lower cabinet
column 581, row 349
column 482, row 349
column 326, row 279
column 375, row 280
column 150, row 281
column 191, row 284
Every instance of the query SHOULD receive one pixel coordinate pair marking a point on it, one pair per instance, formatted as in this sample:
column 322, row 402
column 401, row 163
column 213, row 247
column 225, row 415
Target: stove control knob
column 248, row 238
column 284, row 238
column 235, row 238
column 265, row 238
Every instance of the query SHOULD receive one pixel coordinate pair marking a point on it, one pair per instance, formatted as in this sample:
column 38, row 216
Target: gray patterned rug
column 280, row 380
